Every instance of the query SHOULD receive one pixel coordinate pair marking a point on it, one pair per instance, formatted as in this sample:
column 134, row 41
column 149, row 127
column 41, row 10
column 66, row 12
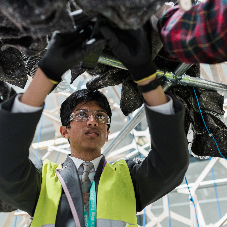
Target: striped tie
column 86, row 168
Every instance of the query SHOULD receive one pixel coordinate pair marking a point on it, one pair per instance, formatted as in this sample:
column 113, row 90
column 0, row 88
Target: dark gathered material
column 5, row 91
column 23, row 39
column 27, row 45
column 76, row 71
column 31, row 63
column 131, row 98
column 210, row 101
column 127, row 14
column 211, row 104
column 12, row 67
column 34, row 18
column 26, row 25
column 4, row 207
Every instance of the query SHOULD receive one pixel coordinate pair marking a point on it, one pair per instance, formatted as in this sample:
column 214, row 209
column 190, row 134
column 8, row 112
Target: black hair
column 84, row 95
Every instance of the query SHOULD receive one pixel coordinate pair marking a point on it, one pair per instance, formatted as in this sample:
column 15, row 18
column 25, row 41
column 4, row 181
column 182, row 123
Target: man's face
column 87, row 135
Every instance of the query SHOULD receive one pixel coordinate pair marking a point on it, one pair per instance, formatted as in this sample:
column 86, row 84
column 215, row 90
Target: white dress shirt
column 95, row 162
column 19, row 107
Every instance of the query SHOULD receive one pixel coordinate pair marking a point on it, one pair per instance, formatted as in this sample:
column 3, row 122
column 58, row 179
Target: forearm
column 197, row 35
column 155, row 97
column 37, row 91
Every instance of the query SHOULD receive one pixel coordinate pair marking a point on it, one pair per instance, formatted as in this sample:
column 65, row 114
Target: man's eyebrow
column 81, row 109
column 91, row 110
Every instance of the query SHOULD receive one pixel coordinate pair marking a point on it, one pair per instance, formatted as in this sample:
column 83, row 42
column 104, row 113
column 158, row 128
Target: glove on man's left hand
column 131, row 47
column 66, row 50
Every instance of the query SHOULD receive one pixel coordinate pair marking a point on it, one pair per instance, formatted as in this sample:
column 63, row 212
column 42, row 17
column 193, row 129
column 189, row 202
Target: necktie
column 85, row 181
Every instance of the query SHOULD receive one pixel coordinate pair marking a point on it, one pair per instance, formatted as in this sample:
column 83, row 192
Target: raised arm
column 167, row 162
column 64, row 51
column 20, row 181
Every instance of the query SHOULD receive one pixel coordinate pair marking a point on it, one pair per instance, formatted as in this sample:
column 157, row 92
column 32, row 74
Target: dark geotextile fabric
column 12, row 67
column 104, row 76
column 8, row 29
column 5, row 207
column 27, row 45
column 24, row 30
column 131, row 98
column 211, row 104
column 210, row 101
column 35, row 26
column 76, row 71
column 122, row 12
column 5, row 91
column 33, row 14
column 25, row 27
column 32, row 63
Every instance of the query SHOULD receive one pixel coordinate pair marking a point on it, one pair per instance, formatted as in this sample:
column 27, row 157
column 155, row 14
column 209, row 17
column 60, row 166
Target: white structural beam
column 8, row 220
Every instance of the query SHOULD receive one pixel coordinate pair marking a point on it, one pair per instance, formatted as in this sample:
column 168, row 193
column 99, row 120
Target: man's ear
column 107, row 135
column 64, row 132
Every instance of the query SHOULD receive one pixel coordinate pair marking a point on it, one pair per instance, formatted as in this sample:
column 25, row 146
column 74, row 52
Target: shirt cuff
column 19, row 107
column 166, row 108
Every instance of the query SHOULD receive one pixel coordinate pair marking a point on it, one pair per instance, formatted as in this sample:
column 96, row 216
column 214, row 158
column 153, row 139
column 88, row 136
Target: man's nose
column 91, row 121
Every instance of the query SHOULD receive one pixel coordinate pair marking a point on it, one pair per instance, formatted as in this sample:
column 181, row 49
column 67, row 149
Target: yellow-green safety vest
column 116, row 202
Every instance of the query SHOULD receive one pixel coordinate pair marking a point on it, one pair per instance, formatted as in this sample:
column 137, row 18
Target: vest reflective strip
column 49, row 225
column 112, row 223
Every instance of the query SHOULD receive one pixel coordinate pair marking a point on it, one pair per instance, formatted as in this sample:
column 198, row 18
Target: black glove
column 131, row 47
column 66, row 50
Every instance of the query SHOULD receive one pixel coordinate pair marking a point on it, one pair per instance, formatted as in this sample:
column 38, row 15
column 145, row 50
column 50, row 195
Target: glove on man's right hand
column 131, row 47
column 66, row 50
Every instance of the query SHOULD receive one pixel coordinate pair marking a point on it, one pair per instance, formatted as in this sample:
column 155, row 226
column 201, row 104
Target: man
column 70, row 195
column 197, row 35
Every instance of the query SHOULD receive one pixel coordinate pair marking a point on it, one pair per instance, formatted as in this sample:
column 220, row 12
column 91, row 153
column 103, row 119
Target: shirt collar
column 78, row 161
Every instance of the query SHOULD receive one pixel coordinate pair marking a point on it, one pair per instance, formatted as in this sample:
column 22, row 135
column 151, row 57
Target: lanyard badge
column 90, row 220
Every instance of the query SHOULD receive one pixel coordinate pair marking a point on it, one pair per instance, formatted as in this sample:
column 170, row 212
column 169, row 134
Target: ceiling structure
column 129, row 136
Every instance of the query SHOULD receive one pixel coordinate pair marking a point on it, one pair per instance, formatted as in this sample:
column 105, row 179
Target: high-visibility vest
column 116, row 202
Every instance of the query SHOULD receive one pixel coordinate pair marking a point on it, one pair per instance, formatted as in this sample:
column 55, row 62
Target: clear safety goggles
column 100, row 116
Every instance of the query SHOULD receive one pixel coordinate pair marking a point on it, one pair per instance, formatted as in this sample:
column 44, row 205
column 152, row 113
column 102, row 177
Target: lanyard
column 90, row 221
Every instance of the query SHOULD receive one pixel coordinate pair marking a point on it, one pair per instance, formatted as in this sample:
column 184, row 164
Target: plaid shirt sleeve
column 198, row 35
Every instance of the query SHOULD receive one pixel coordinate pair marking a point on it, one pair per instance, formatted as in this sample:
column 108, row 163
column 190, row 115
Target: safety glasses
column 100, row 116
